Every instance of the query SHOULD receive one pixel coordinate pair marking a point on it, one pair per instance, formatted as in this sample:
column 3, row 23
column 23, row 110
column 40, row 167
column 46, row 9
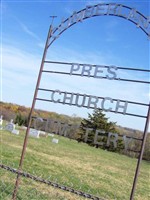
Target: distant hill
column 12, row 111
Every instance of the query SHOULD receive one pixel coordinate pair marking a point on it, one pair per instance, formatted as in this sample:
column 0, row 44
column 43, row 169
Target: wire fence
column 65, row 171
column 37, row 180
column 47, row 182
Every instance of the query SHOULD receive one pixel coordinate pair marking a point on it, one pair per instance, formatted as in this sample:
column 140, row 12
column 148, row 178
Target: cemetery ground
column 105, row 174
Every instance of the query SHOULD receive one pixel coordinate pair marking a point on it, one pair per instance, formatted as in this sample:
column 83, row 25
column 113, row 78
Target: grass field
column 101, row 173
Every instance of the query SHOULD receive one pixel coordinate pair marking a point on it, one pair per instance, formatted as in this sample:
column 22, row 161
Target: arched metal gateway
column 104, row 9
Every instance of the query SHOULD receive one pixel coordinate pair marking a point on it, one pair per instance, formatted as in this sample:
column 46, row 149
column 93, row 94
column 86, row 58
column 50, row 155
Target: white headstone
column 10, row 127
column 1, row 120
column 51, row 135
column 34, row 133
column 42, row 132
column 16, row 132
column 54, row 140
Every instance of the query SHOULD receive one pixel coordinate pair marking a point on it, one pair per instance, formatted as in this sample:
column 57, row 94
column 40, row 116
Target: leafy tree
column 20, row 120
column 96, row 121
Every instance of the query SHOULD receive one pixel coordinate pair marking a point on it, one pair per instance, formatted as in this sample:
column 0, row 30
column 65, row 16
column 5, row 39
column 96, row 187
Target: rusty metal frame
column 51, row 37
column 30, row 114
column 141, row 153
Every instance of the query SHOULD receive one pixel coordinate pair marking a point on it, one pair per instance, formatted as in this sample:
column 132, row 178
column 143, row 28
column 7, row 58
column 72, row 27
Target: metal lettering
column 121, row 106
column 52, row 96
column 96, row 137
column 76, row 17
column 132, row 14
column 89, row 11
column 147, row 23
column 86, row 70
column 126, row 142
column 92, row 101
column 73, row 68
column 62, row 129
column 61, row 27
column 67, row 130
column 99, row 8
column 103, row 104
column 112, row 137
column 69, row 21
column 111, row 8
column 48, row 125
column 86, row 134
column 111, row 71
column 38, row 123
column 98, row 70
column 120, row 11
column 141, row 21
column 77, row 100
column 68, row 97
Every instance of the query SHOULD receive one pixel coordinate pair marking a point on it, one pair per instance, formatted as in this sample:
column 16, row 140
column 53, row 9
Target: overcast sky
column 103, row 40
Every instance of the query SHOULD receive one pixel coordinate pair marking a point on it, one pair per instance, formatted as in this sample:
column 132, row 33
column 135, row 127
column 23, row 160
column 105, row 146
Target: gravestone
column 51, row 135
column 42, row 133
column 16, row 132
column 1, row 120
column 54, row 140
column 34, row 133
column 10, row 127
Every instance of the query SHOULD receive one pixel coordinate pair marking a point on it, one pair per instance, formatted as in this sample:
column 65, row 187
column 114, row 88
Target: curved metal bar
column 133, row 16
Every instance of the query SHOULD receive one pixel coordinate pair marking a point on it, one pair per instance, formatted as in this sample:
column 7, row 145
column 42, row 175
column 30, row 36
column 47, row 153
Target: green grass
column 101, row 173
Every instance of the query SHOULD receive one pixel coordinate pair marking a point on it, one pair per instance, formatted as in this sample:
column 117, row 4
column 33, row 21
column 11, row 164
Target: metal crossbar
column 102, row 66
column 130, row 114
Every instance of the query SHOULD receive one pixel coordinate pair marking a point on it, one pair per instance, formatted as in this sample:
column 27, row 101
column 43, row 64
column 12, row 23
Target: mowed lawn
column 104, row 174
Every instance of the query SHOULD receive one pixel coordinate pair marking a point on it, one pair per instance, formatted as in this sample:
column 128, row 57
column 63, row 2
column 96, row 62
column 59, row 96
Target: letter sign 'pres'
column 107, row 104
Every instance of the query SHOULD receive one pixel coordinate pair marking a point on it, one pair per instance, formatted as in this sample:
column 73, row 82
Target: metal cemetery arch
column 105, row 9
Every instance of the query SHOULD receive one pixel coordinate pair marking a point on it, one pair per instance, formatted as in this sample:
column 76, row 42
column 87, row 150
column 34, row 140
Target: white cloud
column 19, row 74
column 28, row 31
column 18, row 60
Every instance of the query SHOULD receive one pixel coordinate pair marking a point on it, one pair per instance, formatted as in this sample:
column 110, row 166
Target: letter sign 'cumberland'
column 104, row 9
column 111, row 73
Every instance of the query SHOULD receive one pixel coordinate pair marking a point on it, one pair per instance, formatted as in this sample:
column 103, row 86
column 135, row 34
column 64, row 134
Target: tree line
column 95, row 121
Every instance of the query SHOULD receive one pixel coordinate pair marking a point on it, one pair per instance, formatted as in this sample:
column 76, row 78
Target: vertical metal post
column 30, row 114
column 141, row 154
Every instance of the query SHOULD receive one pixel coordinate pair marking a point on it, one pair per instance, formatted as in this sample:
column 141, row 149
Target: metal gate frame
column 104, row 9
